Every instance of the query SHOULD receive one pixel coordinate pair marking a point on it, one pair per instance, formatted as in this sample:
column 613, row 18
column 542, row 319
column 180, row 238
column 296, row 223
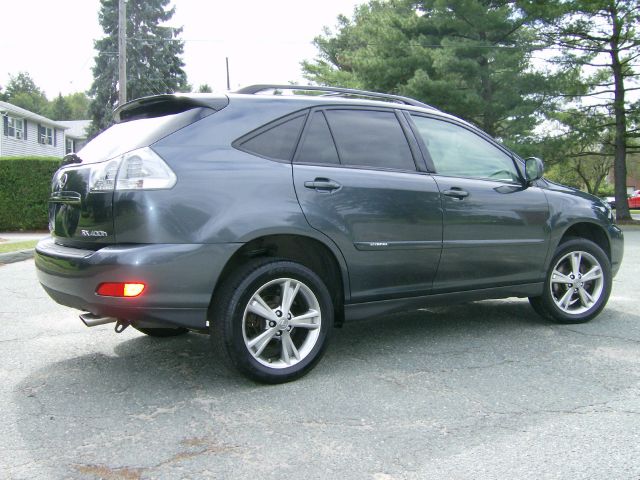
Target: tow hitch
column 121, row 325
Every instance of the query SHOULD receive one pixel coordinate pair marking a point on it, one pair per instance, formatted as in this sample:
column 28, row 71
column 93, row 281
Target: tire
column 250, row 320
column 162, row 332
column 577, row 285
column 538, row 307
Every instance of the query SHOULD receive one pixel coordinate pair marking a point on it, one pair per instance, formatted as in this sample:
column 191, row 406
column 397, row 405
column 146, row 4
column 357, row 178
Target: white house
column 76, row 135
column 24, row 133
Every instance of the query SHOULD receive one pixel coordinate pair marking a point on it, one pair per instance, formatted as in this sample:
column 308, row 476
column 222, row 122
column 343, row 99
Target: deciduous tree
column 602, row 40
column 78, row 104
column 23, row 92
column 59, row 109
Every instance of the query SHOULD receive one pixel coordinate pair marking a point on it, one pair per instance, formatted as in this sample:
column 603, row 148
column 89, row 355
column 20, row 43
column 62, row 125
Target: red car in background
column 634, row 199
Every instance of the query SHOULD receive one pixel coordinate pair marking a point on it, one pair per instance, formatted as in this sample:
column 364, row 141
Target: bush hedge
column 25, row 186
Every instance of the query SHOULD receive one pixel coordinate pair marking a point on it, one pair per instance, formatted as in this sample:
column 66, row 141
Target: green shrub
column 25, row 186
column 607, row 190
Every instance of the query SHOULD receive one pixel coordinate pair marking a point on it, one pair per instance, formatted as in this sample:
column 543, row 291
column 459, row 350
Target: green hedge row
column 25, row 186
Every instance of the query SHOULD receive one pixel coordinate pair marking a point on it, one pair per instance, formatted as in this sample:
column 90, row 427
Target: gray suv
column 266, row 220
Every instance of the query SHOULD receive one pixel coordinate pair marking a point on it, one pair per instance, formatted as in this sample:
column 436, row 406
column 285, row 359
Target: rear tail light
column 141, row 169
column 103, row 176
column 120, row 289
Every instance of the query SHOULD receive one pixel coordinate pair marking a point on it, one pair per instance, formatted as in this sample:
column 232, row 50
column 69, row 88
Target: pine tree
column 154, row 63
column 469, row 57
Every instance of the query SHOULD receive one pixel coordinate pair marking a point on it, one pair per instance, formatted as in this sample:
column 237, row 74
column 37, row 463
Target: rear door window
column 370, row 138
column 317, row 145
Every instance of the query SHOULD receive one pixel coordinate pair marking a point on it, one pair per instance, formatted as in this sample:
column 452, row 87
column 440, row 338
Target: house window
column 15, row 127
column 46, row 135
column 70, row 146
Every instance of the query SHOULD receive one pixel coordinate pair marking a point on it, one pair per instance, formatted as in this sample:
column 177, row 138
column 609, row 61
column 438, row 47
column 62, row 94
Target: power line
column 368, row 44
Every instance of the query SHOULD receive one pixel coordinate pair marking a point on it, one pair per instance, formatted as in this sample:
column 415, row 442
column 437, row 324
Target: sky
column 265, row 41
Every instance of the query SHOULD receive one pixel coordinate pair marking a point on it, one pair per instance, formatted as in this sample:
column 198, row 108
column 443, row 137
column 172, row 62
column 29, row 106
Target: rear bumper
column 179, row 279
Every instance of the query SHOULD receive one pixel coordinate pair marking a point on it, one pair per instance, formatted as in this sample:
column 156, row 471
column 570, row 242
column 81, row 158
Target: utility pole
column 228, row 83
column 122, row 52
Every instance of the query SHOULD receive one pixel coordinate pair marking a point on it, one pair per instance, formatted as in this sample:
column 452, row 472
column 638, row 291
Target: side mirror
column 534, row 169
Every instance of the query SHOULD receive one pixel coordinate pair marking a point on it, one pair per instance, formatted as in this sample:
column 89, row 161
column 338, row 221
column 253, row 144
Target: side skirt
column 361, row 311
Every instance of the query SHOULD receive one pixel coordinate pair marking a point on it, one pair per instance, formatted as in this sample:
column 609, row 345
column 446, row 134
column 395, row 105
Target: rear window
column 124, row 137
column 274, row 141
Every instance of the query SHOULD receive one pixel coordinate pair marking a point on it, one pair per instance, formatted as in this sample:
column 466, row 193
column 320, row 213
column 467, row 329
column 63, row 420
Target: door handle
column 323, row 185
column 456, row 192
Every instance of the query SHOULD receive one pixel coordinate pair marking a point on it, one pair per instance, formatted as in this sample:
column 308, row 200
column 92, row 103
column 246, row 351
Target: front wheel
column 272, row 319
column 577, row 285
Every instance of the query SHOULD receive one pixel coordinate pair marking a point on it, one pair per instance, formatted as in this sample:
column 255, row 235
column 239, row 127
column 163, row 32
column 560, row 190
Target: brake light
column 120, row 289
column 140, row 169
column 143, row 169
column 103, row 176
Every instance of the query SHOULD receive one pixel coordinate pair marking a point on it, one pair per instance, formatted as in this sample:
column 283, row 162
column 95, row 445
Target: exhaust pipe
column 91, row 320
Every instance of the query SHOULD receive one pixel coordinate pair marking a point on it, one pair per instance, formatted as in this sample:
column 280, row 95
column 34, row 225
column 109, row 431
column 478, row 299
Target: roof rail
column 253, row 89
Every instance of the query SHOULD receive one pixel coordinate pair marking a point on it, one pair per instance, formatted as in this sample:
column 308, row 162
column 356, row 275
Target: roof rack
column 253, row 89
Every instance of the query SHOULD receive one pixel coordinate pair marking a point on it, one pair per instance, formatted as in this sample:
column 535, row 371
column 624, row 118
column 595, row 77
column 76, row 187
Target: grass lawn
column 17, row 246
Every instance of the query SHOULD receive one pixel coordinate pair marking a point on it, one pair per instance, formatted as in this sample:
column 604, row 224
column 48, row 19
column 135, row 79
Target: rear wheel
column 577, row 285
column 272, row 320
column 538, row 307
column 162, row 332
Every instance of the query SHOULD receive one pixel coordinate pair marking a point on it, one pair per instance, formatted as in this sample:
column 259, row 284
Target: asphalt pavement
column 486, row 390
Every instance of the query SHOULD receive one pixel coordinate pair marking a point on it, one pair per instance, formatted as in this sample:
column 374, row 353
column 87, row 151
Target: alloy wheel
column 281, row 323
column 576, row 282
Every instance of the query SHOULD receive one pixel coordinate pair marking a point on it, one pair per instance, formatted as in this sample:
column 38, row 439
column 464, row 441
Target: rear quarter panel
column 222, row 194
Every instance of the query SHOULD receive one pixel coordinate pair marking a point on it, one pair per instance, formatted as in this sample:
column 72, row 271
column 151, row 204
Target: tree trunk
column 620, row 158
column 596, row 186
column 486, row 91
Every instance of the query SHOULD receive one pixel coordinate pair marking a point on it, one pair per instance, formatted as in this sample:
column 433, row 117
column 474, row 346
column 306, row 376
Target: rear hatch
column 77, row 215
column 82, row 190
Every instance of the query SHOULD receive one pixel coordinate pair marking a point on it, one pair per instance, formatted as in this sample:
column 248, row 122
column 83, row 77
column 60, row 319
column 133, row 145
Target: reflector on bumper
column 120, row 289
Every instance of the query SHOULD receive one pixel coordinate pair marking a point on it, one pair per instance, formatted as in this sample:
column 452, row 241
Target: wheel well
column 590, row 232
column 309, row 252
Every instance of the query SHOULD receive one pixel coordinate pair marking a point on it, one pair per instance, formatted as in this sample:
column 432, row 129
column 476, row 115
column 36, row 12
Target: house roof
column 76, row 128
column 23, row 113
